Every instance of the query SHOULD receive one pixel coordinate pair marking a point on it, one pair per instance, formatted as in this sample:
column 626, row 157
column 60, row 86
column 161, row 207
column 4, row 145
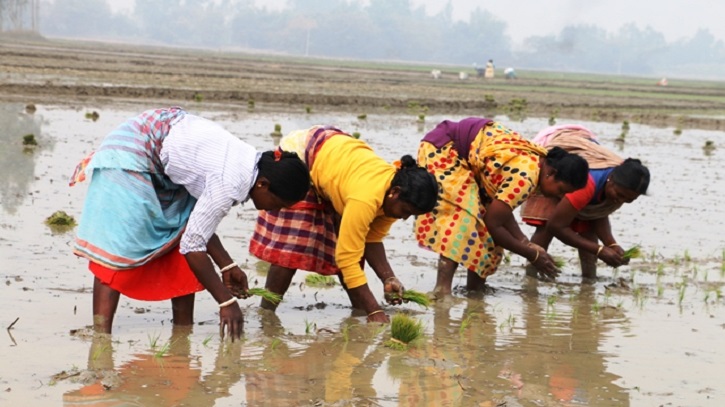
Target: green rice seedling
column 274, row 298
column 309, row 327
column 308, row 109
column 681, row 292
column 362, row 116
column 421, row 118
column 660, row 290
column 198, row 98
column 275, row 342
column 686, row 256
column 677, row 131
column 660, row 270
column 404, row 331
column 206, row 340
column 465, row 323
column 346, row 333
column 92, row 115
column 153, row 341
column 356, row 135
column 633, row 252
column 162, row 351
column 552, row 120
column 559, row 262
column 100, row 350
column 250, row 104
column 596, row 307
column 639, row 296
column 550, row 306
column 319, row 280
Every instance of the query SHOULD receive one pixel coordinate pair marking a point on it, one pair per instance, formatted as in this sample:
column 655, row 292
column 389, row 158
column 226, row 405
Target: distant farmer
column 355, row 198
column 509, row 73
column 485, row 171
column 581, row 218
column 160, row 184
column 489, row 73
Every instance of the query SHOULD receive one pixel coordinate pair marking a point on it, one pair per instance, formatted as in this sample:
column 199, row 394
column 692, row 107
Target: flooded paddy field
column 647, row 334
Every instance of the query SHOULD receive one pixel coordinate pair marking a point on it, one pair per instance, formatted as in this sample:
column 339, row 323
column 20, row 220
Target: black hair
column 631, row 174
column 418, row 187
column 570, row 168
column 288, row 176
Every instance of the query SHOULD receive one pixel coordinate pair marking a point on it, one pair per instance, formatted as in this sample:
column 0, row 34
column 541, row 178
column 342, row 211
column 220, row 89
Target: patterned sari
column 500, row 165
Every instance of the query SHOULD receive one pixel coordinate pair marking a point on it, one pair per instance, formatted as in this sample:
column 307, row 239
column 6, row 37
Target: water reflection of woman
column 558, row 358
column 161, row 183
column 581, row 218
column 355, row 199
column 485, row 171
column 149, row 379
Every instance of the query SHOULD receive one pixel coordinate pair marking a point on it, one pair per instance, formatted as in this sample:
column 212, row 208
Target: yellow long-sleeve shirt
column 355, row 179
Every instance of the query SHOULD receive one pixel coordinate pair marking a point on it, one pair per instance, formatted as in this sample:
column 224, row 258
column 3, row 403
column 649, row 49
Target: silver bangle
column 228, row 302
column 229, row 267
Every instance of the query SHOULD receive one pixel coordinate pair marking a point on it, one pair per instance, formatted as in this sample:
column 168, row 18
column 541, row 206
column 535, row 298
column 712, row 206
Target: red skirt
column 166, row 277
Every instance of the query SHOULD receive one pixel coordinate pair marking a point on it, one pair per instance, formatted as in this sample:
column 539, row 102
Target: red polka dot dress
column 501, row 165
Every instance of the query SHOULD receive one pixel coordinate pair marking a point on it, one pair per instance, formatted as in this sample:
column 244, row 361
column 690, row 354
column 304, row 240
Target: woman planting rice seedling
column 581, row 218
column 160, row 184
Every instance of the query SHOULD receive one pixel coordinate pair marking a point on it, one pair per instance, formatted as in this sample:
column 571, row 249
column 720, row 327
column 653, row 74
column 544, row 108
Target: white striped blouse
column 216, row 167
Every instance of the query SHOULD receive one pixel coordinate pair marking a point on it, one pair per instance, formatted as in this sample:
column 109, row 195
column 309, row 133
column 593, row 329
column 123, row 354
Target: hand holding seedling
column 235, row 280
column 393, row 291
column 544, row 263
column 611, row 255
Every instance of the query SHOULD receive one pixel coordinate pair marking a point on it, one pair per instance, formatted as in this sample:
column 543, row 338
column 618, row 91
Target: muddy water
column 646, row 334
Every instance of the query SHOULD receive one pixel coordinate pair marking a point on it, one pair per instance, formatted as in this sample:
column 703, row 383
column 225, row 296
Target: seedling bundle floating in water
column 266, row 294
column 404, row 331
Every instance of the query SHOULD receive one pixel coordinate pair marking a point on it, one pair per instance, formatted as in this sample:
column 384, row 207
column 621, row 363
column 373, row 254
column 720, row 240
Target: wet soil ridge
column 59, row 71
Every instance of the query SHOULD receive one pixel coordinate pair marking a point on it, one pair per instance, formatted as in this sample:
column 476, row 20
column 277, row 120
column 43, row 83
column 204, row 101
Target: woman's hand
column 235, row 280
column 393, row 291
column 231, row 321
column 612, row 256
column 544, row 263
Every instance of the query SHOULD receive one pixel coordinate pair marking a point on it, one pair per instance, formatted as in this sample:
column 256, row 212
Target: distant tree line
column 385, row 30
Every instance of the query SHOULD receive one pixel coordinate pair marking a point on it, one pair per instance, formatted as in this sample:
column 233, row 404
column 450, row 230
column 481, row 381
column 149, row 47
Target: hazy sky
column 675, row 19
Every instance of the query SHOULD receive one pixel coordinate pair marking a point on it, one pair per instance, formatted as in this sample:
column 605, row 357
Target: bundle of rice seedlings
column 633, row 253
column 404, row 331
column 266, row 294
column 416, row 297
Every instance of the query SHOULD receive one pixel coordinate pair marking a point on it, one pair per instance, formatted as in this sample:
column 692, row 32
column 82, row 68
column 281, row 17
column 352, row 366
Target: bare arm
column 230, row 316
column 234, row 279
column 375, row 256
column 505, row 231
column 559, row 225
